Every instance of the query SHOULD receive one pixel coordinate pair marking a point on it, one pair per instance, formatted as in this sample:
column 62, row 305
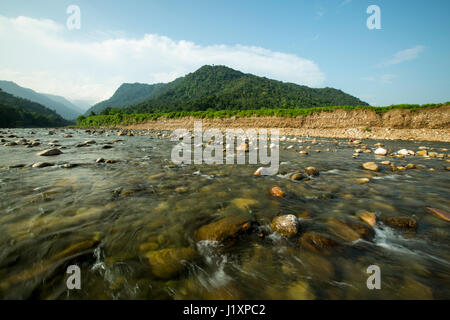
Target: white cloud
column 40, row 54
column 405, row 55
column 387, row 78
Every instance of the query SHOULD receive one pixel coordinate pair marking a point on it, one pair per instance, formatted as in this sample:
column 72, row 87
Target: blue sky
column 315, row 42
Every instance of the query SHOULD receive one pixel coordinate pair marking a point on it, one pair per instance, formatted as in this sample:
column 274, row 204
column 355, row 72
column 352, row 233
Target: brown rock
column 422, row 153
column 350, row 229
column 287, row 225
column 368, row 217
column 401, row 222
column 276, row 192
column 50, row 152
column 440, row 213
column 372, row 166
column 317, row 242
column 297, row 176
column 311, row 171
column 223, row 230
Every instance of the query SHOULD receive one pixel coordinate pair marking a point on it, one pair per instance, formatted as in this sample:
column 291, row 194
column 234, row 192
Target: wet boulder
column 380, row 152
column 368, row 217
column 311, row 171
column 224, row 229
column 287, row 225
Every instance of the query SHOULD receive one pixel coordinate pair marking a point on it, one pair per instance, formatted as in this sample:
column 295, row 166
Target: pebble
column 50, row 152
column 311, row 171
column 266, row 171
column 380, row 152
column 42, row 164
column 371, row 166
column 277, row 192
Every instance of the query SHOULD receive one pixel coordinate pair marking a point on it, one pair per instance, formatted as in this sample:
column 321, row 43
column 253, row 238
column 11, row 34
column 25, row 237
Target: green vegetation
column 127, row 95
column 18, row 112
column 220, row 88
column 133, row 118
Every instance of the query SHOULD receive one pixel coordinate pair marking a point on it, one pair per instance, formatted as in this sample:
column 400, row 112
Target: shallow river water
column 131, row 226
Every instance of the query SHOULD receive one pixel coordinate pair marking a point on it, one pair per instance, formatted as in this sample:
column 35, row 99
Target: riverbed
column 134, row 221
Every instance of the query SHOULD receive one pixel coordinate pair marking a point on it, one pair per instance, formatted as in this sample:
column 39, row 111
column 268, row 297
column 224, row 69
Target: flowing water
column 108, row 219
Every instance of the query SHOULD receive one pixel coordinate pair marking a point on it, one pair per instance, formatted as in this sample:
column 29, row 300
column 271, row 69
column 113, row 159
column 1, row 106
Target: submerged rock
column 287, row 225
column 167, row 263
column 401, row 222
column 350, row 229
column 317, row 242
column 223, row 230
column 440, row 213
column 300, row 290
column 368, row 217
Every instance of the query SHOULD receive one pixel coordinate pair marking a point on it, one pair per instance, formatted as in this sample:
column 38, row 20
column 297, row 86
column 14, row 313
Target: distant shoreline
column 427, row 124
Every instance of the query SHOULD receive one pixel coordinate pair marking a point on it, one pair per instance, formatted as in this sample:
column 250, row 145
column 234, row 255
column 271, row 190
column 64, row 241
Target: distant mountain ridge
column 221, row 88
column 18, row 112
column 59, row 104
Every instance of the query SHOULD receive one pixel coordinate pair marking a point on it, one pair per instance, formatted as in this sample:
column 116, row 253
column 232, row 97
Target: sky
column 319, row 43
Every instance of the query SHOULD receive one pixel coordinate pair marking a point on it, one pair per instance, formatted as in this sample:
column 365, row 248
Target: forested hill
column 18, row 112
column 222, row 88
column 63, row 107
column 127, row 95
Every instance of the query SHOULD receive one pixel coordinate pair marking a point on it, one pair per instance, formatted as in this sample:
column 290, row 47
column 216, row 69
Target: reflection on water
column 133, row 226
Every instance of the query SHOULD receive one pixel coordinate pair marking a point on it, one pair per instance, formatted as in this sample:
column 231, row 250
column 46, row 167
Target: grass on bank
column 134, row 118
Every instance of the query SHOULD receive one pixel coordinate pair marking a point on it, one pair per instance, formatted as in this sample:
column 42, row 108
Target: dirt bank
column 427, row 124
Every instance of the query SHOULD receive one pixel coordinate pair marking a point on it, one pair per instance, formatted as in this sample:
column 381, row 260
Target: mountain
column 222, row 88
column 65, row 102
column 82, row 105
column 18, row 112
column 127, row 95
column 49, row 101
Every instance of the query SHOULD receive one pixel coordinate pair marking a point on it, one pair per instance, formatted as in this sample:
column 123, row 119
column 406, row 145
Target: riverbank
column 431, row 124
